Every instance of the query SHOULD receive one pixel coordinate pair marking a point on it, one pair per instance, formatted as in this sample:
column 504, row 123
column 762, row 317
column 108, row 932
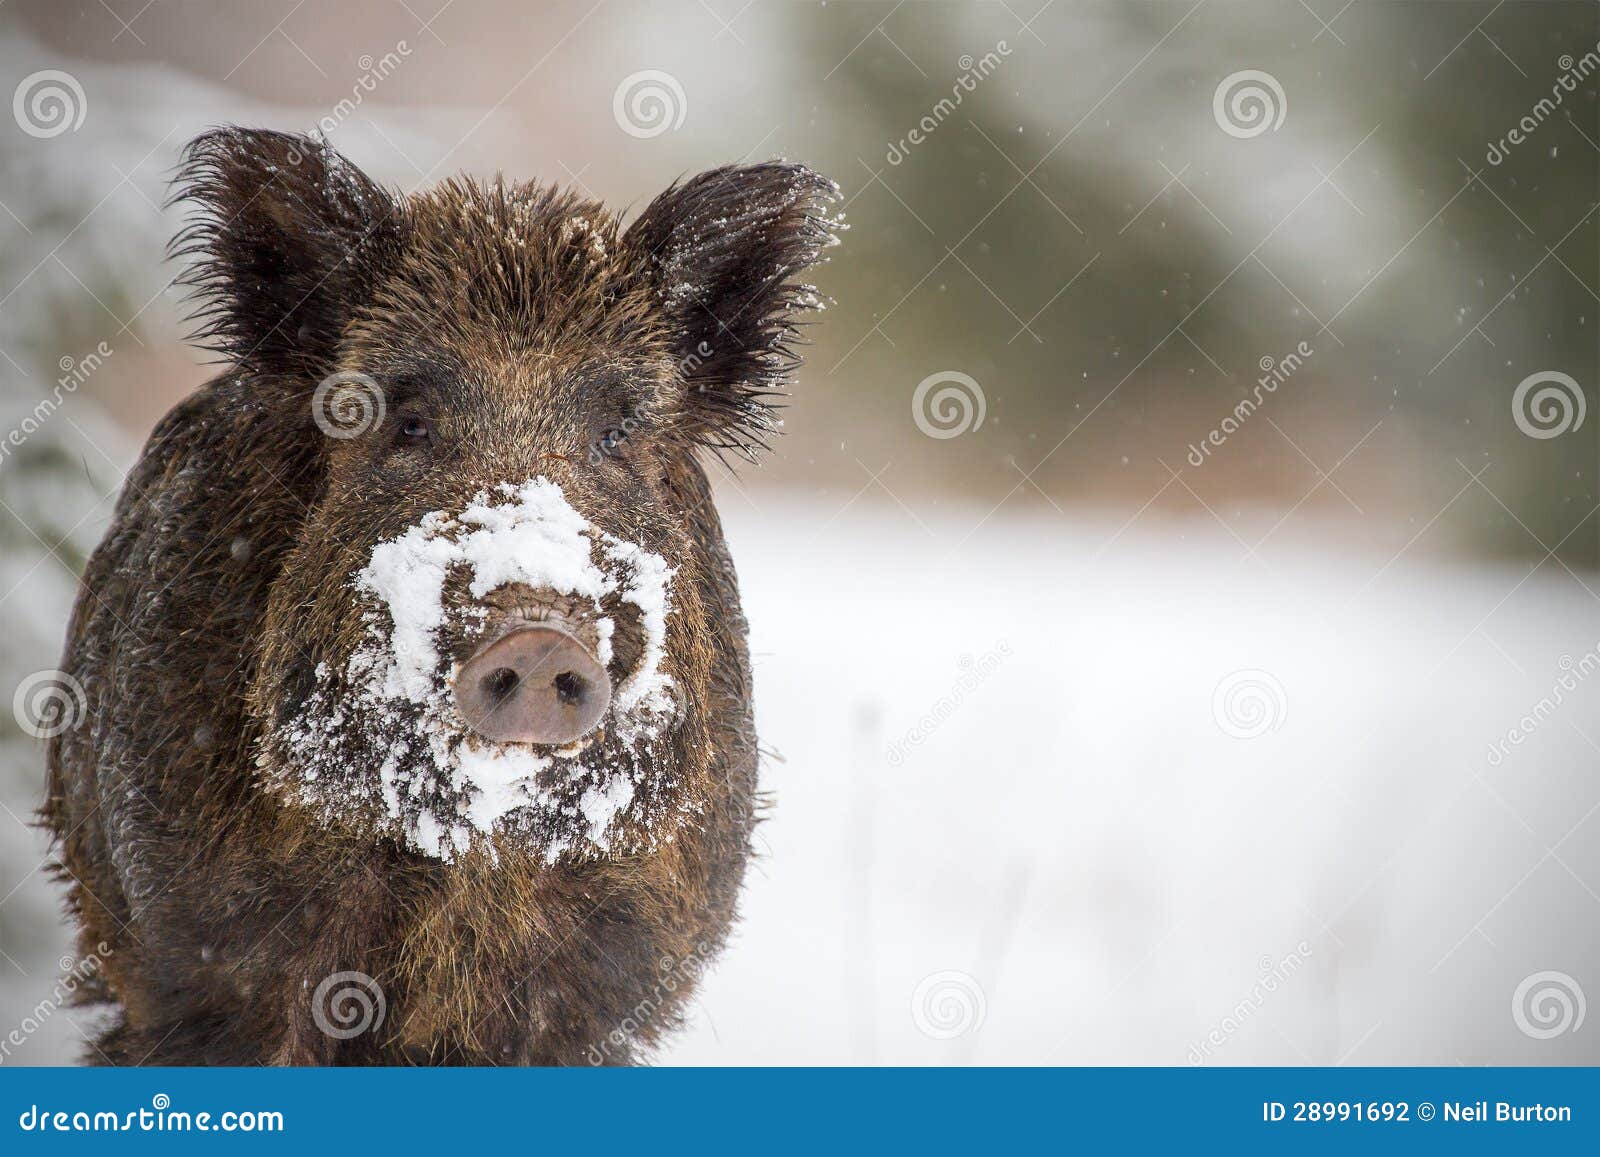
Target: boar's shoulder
column 163, row 638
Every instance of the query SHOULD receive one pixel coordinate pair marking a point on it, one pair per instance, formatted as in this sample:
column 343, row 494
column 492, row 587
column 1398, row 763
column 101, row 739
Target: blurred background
column 1197, row 465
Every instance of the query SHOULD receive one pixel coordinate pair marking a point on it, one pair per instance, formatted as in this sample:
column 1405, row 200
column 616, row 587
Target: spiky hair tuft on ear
column 723, row 249
column 287, row 239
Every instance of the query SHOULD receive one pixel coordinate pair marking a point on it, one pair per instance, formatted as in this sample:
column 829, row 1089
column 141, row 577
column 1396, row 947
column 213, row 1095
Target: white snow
column 527, row 533
column 647, row 587
column 601, row 804
column 532, row 535
column 1116, row 873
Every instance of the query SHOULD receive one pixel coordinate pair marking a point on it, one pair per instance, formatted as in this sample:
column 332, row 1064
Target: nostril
column 499, row 684
column 569, row 687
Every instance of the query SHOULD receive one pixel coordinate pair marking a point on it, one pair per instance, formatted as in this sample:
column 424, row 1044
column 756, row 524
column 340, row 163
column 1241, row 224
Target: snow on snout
column 525, row 533
column 535, row 537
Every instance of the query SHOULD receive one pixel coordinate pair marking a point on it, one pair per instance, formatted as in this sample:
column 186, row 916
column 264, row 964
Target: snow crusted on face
column 536, row 539
column 518, row 534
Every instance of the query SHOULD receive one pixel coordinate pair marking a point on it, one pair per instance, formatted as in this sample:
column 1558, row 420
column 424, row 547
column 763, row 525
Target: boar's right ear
column 288, row 238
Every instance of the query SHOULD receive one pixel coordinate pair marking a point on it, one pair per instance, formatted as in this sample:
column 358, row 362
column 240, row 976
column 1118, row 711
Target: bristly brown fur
column 287, row 236
column 726, row 246
column 522, row 322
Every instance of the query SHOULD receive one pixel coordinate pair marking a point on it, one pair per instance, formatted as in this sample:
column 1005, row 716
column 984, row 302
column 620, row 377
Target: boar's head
column 489, row 634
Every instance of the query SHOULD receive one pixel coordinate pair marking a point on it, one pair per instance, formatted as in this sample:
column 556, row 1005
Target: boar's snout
column 536, row 684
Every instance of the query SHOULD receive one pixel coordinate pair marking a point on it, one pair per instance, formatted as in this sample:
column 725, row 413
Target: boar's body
column 221, row 910
column 217, row 906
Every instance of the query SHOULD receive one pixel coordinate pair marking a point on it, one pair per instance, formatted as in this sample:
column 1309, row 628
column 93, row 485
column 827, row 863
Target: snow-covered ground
column 1080, row 864
column 1016, row 806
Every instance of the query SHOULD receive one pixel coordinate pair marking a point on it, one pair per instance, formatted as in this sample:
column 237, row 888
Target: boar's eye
column 610, row 443
column 414, row 431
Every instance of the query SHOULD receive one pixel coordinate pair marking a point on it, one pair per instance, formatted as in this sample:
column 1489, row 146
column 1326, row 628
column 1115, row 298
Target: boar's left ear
column 721, row 251
column 288, row 239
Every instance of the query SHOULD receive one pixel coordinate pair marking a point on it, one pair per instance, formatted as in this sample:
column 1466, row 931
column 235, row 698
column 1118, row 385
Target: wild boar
column 419, row 705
